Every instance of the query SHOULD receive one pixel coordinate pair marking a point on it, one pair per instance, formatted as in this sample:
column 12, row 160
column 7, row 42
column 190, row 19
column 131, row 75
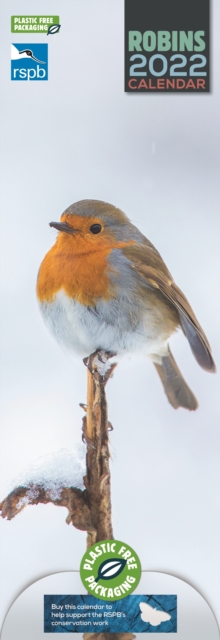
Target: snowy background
column 156, row 157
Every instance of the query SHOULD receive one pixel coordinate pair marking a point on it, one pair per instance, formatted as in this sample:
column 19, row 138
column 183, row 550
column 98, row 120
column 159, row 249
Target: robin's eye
column 95, row 228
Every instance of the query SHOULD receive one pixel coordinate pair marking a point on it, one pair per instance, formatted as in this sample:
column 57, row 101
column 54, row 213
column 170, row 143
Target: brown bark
column 73, row 499
column 97, row 481
column 96, row 428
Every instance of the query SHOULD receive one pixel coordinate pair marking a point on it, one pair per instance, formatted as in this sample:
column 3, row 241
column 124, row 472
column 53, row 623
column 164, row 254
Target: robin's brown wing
column 149, row 264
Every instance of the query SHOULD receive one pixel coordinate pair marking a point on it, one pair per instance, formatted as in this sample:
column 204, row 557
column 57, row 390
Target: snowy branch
column 61, row 478
column 75, row 500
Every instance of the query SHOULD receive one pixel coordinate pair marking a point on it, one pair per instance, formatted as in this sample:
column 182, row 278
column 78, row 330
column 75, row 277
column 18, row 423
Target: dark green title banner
column 167, row 46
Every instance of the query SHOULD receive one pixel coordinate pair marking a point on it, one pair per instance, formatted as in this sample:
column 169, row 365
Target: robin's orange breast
column 78, row 268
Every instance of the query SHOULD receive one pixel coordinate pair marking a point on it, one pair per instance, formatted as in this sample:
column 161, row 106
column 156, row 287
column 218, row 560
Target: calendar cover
column 109, row 318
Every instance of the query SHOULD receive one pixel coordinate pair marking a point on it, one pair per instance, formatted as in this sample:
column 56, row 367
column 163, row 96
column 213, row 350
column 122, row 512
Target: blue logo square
column 29, row 61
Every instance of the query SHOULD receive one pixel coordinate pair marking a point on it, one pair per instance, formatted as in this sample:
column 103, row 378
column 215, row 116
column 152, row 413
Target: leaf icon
column 54, row 28
column 110, row 569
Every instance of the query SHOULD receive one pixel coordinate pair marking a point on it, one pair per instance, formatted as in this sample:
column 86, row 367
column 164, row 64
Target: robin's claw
column 104, row 356
column 89, row 362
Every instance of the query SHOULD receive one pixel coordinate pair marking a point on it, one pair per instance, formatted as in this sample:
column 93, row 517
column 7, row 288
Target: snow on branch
column 56, row 478
column 56, row 470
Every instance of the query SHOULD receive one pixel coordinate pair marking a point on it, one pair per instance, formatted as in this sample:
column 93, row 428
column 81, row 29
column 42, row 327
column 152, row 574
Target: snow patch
column 22, row 502
column 103, row 364
column 53, row 472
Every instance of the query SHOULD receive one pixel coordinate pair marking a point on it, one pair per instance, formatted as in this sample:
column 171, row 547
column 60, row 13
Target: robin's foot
column 98, row 361
column 104, row 356
column 89, row 362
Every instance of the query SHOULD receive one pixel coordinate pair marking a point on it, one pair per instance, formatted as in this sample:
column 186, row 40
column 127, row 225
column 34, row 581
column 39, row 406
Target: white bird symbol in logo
column 153, row 615
column 25, row 53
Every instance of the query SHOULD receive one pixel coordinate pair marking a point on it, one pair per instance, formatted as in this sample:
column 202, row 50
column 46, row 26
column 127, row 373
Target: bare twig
column 73, row 499
column 95, row 432
column 97, row 481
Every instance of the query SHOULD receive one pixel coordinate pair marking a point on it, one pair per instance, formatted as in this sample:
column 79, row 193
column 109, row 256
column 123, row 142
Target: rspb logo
column 29, row 61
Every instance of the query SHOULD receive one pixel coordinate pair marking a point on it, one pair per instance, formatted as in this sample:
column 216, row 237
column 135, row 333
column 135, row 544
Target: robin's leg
column 98, row 361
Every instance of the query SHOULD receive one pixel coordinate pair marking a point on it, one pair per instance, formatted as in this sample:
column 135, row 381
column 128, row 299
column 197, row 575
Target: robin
column 104, row 286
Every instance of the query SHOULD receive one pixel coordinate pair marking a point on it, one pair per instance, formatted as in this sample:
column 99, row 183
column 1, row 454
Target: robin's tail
column 175, row 387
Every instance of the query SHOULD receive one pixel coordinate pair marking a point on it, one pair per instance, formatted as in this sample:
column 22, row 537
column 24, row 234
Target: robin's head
column 95, row 223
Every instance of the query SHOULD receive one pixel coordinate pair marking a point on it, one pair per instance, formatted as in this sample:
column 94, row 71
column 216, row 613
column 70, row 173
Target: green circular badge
column 110, row 570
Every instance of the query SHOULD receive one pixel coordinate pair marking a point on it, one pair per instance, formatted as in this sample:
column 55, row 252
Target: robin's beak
column 62, row 226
